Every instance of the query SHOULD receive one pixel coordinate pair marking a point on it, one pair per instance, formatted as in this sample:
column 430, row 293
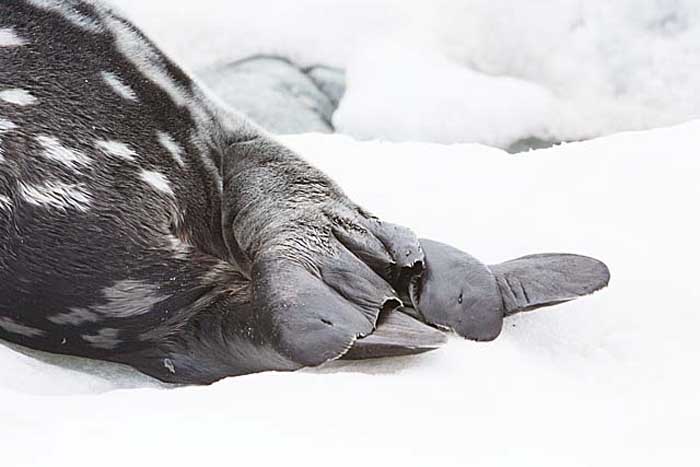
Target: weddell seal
column 141, row 222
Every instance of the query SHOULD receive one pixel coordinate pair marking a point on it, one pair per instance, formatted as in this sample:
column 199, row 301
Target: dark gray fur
column 225, row 255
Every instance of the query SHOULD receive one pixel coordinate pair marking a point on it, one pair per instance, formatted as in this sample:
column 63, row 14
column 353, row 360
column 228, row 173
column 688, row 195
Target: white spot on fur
column 68, row 11
column 224, row 272
column 172, row 147
column 75, row 317
column 57, row 195
column 118, row 86
column 168, row 364
column 14, row 327
column 129, row 298
column 9, row 38
column 150, row 62
column 55, row 151
column 5, row 125
column 106, row 338
column 5, row 203
column 17, row 96
column 157, row 181
column 147, row 59
column 180, row 249
column 117, row 149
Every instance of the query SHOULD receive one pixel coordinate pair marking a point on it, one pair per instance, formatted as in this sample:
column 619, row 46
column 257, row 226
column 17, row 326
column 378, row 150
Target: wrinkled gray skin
column 458, row 292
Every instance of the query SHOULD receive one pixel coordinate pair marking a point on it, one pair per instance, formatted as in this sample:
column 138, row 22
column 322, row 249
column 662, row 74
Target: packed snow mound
column 606, row 380
column 498, row 72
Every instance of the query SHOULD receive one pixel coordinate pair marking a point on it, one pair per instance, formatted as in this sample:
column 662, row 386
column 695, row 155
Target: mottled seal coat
column 141, row 222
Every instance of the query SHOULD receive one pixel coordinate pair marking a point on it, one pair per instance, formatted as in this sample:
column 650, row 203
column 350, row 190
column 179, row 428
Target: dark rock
column 277, row 94
column 329, row 80
column 533, row 142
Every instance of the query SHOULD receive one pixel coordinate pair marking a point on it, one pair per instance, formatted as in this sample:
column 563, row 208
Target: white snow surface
column 488, row 71
column 610, row 379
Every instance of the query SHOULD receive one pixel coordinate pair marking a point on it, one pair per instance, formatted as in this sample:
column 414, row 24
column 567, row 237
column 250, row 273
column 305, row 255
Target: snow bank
column 605, row 380
column 489, row 71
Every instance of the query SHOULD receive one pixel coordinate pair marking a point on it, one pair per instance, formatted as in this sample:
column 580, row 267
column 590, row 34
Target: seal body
column 110, row 182
column 142, row 222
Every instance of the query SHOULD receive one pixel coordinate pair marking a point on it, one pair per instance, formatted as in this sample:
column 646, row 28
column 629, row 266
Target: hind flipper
column 286, row 318
column 540, row 280
column 397, row 334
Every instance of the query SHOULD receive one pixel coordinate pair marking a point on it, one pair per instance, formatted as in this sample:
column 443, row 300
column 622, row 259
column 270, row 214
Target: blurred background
column 505, row 73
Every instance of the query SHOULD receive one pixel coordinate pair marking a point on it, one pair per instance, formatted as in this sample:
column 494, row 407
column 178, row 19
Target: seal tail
column 397, row 334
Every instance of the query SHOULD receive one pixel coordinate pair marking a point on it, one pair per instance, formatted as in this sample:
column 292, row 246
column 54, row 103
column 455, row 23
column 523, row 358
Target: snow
column 415, row 94
column 488, row 71
column 609, row 379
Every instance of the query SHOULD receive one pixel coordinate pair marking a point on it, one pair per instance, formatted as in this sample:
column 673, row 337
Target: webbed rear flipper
column 397, row 334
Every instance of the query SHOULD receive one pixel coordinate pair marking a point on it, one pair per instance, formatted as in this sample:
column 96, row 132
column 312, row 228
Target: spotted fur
column 84, row 101
column 142, row 222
